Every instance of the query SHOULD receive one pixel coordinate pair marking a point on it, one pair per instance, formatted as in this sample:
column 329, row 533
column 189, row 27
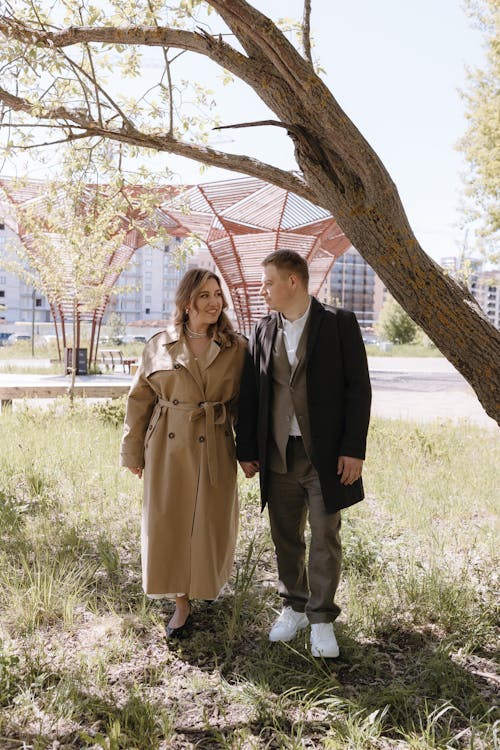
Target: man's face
column 277, row 288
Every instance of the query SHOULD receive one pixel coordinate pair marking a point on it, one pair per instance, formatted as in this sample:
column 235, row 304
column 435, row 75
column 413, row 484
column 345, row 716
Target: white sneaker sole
column 320, row 653
column 301, row 626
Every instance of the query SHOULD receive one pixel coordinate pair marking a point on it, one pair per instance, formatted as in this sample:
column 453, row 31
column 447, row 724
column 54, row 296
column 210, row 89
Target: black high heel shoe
column 181, row 631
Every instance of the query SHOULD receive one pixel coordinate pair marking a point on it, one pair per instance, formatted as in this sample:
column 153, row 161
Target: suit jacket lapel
column 301, row 349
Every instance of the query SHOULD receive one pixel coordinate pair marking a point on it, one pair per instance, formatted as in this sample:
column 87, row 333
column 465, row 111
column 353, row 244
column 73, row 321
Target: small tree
column 116, row 327
column 395, row 324
column 481, row 143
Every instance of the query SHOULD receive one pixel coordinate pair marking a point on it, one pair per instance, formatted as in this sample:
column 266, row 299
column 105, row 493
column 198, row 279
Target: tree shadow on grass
column 408, row 672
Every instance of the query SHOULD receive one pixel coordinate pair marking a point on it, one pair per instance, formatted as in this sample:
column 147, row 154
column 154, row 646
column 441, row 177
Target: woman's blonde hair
column 189, row 286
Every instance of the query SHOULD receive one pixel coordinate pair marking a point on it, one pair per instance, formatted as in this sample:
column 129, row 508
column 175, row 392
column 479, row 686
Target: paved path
column 419, row 389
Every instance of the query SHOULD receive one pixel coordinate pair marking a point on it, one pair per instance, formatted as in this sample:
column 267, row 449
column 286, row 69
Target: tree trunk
column 446, row 311
column 346, row 177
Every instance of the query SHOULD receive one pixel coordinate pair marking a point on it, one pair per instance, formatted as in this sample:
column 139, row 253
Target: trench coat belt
column 214, row 412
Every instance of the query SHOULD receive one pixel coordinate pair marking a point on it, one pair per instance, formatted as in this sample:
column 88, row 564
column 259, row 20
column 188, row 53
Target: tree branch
column 252, row 28
column 306, row 31
column 200, row 42
column 129, row 134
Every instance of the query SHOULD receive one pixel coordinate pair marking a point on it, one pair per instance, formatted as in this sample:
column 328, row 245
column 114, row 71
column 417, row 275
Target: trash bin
column 81, row 361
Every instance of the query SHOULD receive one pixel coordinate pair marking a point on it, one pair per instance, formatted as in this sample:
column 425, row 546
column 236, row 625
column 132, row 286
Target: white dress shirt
column 292, row 331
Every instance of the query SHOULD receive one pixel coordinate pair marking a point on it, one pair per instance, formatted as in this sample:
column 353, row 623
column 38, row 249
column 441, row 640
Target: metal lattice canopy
column 243, row 220
column 19, row 197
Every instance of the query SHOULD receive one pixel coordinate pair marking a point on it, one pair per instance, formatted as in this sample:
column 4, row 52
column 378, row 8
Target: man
column 303, row 420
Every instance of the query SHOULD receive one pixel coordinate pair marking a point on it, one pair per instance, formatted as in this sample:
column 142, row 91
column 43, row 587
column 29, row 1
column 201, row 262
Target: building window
column 2, row 225
column 3, row 279
column 2, row 293
column 38, row 302
column 147, row 298
column 147, row 311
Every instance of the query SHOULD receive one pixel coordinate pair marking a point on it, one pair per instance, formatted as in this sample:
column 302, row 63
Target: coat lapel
column 314, row 323
column 180, row 352
column 211, row 354
column 268, row 340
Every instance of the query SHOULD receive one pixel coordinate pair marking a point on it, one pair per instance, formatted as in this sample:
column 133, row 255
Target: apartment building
column 20, row 301
column 484, row 283
column 353, row 284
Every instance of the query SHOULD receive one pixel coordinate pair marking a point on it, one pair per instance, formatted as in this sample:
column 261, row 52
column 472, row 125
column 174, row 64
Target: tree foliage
column 395, row 325
column 481, row 142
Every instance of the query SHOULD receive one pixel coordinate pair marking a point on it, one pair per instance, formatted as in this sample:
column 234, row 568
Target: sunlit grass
column 83, row 658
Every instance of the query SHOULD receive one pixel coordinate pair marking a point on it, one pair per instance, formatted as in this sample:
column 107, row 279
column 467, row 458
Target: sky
column 396, row 68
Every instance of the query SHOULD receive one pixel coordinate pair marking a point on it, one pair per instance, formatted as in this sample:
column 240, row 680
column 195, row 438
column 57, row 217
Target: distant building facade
column 353, row 284
column 484, row 283
column 20, row 301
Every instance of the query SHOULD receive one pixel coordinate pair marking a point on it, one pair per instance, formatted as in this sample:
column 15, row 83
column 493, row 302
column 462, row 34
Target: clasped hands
column 348, row 468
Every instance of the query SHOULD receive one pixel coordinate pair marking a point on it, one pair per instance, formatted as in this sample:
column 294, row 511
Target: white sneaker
column 323, row 641
column 288, row 625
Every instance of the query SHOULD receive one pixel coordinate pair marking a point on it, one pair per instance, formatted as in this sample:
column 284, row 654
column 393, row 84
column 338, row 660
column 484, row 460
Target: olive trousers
column 292, row 499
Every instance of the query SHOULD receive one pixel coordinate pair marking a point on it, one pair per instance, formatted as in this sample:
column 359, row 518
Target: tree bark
column 338, row 171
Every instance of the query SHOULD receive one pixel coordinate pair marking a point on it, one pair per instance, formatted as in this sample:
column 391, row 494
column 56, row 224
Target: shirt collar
column 299, row 323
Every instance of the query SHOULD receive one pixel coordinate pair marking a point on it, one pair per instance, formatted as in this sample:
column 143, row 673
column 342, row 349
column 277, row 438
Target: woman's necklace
column 193, row 335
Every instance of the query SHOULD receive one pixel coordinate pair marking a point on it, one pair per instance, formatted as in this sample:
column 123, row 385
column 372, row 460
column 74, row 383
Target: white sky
column 395, row 66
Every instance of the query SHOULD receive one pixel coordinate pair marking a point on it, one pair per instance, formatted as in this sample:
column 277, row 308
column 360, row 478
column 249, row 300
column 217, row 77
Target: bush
column 395, row 324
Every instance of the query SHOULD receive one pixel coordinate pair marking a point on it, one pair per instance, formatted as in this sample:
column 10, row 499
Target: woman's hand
column 137, row 472
column 250, row 468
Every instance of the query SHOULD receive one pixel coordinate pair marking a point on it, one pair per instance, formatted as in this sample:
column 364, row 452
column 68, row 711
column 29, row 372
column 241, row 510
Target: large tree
column 57, row 71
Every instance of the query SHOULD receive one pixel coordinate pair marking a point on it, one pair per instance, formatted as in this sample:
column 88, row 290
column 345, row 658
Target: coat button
column 171, row 434
column 177, row 366
column 175, row 401
column 200, row 403
column 201, row 439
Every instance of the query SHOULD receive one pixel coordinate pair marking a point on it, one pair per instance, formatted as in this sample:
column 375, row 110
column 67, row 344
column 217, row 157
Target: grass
column 83, row 659
column 404, row 350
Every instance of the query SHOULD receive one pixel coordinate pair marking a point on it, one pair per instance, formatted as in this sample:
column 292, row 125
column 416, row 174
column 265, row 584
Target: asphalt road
column 414, row 388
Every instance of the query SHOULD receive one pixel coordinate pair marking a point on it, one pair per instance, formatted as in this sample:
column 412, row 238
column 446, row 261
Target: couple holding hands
column 297, row 396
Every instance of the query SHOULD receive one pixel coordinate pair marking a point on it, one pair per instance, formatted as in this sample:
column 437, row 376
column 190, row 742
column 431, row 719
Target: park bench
column 112, row 358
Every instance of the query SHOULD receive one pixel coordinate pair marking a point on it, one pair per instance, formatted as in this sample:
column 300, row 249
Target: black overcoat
column 338, row 397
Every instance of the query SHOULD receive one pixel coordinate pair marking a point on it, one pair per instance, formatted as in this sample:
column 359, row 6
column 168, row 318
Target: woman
column 178, row 431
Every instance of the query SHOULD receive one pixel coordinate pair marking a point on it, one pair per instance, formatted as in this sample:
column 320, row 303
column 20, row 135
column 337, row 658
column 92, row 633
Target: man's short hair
column 289, row 260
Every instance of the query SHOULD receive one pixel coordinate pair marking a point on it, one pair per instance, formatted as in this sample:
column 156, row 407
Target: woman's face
column 207, row 305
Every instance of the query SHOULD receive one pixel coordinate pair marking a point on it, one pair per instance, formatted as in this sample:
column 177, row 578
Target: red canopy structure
column 243, row 220
column 19, row 199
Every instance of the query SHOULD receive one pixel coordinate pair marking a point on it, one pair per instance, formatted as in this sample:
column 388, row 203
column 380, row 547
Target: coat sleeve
column 140, row 404
column 248, row 408
column 357, row 388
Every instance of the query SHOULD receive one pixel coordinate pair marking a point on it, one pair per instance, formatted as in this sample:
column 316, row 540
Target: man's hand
column 137, row 472
column 350, row 469
column 250, row 468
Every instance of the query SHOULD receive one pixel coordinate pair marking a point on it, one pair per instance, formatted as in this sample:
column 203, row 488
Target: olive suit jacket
column 338, row 399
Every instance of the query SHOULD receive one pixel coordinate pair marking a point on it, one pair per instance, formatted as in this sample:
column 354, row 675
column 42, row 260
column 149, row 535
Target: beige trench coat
column 178, row 427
